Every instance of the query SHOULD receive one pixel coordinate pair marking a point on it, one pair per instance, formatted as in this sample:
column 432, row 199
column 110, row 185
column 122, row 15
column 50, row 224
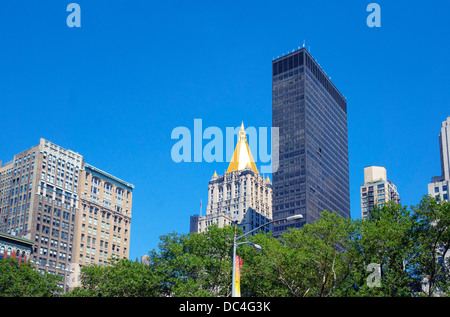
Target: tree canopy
column 22, row 280
column 398, row 251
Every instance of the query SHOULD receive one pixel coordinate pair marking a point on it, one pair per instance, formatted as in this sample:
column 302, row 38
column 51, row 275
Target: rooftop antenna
column 303, row 43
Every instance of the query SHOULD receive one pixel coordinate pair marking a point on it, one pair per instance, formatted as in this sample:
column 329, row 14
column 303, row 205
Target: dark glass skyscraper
column 311, row 114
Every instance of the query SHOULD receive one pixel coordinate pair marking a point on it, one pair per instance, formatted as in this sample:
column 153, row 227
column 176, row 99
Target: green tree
column 386, row 241
column 22, row 280
column 311, row 261
column 431, row 232
column 374, row 213
column 329, row 257
column 120, row 278
column 264, row 273
column 195, row 264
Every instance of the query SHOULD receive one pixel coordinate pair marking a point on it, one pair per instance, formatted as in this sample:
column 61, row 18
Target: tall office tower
column 376, row 190
column 41, row 188
column 40, row 192
column 439, row 186
column 312, row 149
column 105, row 217
column 241, row 194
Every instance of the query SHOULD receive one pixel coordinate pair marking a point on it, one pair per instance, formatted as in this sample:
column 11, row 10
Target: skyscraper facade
column 40, row 200
column 312, row 148
column 439, row 186
column 376, row 190
column 105, row 217
column 241, row 194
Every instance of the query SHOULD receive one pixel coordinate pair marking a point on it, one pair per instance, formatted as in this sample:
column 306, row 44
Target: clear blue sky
column 114, row 89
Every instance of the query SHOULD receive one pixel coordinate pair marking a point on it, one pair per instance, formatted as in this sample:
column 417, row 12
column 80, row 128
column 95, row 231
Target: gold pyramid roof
column 242, row 156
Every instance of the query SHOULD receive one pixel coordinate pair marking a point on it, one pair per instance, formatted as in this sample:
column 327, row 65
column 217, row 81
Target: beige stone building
column 241, row 194
column 104, row 218
column 376, row 190
column 45, row 198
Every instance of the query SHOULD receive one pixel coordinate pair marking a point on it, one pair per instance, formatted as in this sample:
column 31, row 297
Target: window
column 436, row 189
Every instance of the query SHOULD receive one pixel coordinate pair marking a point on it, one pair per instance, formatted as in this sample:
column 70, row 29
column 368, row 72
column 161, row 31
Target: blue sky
column 114, row 89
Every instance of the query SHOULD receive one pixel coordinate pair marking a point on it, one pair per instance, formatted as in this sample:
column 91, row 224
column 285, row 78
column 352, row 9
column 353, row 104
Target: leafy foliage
column 195, row 264
column 307, row 262
column 431, row 229
column 386, row 241
column 121, row 278
column 330, row 257
column 21, row 280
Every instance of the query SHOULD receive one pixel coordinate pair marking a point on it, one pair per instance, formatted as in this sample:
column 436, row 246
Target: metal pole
column 234, row 265
column 240, row 237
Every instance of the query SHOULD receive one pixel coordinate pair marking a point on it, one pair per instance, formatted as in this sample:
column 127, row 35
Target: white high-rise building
column 439, row 186
column 376, row 190
column 241, row 194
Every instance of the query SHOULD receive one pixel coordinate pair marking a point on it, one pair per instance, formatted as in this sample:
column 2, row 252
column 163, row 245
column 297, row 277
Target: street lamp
column 294, row 217
column 255, row 246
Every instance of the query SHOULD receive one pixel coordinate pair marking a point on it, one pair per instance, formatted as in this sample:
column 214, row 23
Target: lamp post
column 255, row 246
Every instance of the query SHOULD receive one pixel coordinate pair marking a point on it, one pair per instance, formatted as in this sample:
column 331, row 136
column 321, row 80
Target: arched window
column 95, row 189
column 2, row 252
column 8, row 253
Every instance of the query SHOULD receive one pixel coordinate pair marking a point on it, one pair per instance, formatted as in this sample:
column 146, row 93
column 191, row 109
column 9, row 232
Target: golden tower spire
column 242, row 155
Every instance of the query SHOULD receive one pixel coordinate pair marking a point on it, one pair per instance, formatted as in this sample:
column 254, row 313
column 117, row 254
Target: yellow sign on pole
column 237, row 282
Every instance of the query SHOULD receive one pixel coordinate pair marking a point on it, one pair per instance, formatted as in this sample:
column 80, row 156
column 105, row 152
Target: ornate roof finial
column 242, row 155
